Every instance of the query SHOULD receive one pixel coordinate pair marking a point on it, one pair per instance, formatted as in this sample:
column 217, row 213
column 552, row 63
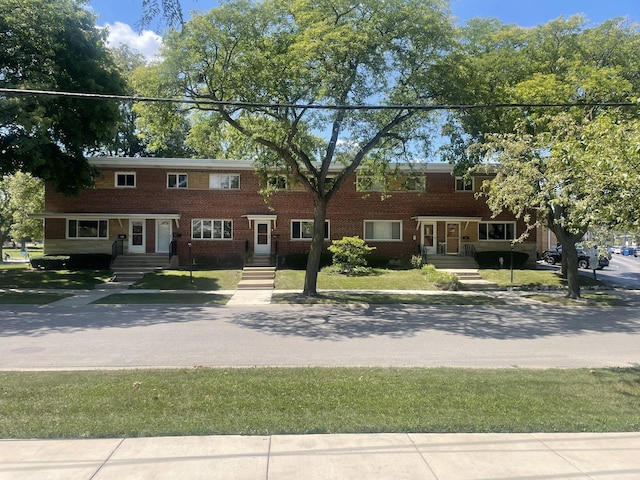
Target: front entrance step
column 129, row 269
column 260, row 261
column 445, row 262
column 257, row 278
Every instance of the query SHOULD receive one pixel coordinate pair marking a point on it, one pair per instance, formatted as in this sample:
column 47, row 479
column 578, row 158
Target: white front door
column 163, row 236
column 428, row 239
column 262, row 238
column 137, row 236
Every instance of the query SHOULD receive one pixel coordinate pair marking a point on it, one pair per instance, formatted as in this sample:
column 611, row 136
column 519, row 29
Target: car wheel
column 583, row 264
column 550, row 260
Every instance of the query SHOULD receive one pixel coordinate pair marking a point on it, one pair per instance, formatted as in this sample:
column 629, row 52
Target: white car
column 617, row 250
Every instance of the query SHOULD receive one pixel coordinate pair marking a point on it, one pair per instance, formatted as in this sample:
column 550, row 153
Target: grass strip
column 261, row 401
column 386, row 299
column 164, row 299
column 28, row 298
column 585, row 300
column 190, row 280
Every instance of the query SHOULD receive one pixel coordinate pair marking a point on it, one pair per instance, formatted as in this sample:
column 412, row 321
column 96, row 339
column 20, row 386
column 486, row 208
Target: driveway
column 520, row 335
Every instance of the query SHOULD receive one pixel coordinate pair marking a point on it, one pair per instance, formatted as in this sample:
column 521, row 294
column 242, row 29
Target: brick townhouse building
column 159, row 205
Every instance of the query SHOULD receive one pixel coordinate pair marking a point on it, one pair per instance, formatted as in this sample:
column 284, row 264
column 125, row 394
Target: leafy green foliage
column 54, row 46
column 249, row 56
column 350, row 255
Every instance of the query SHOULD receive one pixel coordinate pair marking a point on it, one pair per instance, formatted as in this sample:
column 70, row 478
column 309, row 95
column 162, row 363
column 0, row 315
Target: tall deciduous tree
column 548, row 172
column 288, row 57
column 54, row 46
column 20, row 195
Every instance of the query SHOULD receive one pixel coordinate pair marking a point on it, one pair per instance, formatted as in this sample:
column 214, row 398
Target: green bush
column 74, row 261
column 492, row 259
column 350, row 255
column 50, row 262
column 442, row 280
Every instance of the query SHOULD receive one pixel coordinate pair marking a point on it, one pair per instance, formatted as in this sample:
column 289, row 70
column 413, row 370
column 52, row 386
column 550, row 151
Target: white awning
column 259, row 217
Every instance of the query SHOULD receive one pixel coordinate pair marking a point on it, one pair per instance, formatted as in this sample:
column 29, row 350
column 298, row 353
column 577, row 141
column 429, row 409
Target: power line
column 129, row 98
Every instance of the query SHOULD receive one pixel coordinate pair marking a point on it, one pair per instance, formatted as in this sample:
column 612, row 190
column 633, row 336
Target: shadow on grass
column 27, row 298
column 26, row 278
column 164, row 299
column 385, row 299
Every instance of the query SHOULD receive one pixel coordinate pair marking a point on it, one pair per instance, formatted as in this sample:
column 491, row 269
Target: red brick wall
column 345, row 212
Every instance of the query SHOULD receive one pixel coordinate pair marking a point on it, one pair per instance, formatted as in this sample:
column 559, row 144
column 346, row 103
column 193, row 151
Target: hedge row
column 492, row 259
column 74, row 261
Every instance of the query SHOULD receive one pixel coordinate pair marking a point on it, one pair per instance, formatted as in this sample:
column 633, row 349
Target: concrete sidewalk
column 328, row 457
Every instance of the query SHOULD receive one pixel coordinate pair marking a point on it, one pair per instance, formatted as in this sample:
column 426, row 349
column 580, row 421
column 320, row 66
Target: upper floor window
column 496, row 231
column 415, row 183
column 278, row 181
column 177, row 180
column 386, row 230
column 126, row 179
column 87, row 228
column 303, row 229
column 367, row 183
column 464, row 184
column 224, row 181
column 203, row 229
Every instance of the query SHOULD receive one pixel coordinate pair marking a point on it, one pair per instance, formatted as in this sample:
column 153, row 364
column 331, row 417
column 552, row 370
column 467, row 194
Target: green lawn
column 24, row 277
column 380, row 279
column 381, row 298
column 195, row 298
column 261, row 401
column 28, row 298
column 195, row 280
column 531, row 278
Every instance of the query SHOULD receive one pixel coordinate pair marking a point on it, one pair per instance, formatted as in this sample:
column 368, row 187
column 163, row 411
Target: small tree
column 350, row 255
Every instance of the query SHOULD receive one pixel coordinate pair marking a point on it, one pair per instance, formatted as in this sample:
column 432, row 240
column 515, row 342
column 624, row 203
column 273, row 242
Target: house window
column 496, row 231
column 177, row 180
column 366, row 183
column 415, row 183
column 303, row 229
column 211, row 229
column 277, row 181
column 87, row 228
column 384, row 230
column 464, row 184
column 126, row 179
column 224, row 181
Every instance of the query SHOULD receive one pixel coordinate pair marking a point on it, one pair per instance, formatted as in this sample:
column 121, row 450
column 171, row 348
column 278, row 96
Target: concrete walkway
column 328, row 457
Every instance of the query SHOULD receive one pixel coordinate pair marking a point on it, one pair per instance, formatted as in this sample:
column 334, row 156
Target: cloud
column 146, row 42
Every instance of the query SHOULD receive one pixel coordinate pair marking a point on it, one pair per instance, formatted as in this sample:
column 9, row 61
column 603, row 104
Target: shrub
column 74, row 261
column 50, row 262
column 417, row 261
column 350, row 255
column 443, row 280
column 492, row 259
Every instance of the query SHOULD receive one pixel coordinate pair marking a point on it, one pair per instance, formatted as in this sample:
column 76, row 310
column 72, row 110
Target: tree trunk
column 315, row 252
column 570, row 259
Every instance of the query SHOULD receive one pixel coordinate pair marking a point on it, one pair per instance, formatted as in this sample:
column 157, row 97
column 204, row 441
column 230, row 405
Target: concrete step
column 253, row 284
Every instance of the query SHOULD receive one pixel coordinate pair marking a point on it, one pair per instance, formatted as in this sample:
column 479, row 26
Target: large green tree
column 271, row 64
column 548, row 172
column 20, row 195
column 54, row 46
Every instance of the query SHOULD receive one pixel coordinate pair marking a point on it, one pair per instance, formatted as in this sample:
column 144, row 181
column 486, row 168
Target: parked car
column 628, row 250
column 617, row 250
column 554, row 256
column 637, row 252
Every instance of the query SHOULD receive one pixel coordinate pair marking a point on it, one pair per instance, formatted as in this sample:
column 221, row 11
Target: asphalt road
column 520, row 335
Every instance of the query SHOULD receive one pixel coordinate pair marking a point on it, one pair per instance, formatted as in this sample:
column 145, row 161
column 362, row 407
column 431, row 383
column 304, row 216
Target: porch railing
column 117, row 248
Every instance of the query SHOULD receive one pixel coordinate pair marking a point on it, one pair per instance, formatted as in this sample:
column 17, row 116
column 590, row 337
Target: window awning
column 261, row 217
column 453, row 219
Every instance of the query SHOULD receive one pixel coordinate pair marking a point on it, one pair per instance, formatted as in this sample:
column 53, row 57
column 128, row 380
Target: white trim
column 253, row 218
column 177, row 186
column 117, row 174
